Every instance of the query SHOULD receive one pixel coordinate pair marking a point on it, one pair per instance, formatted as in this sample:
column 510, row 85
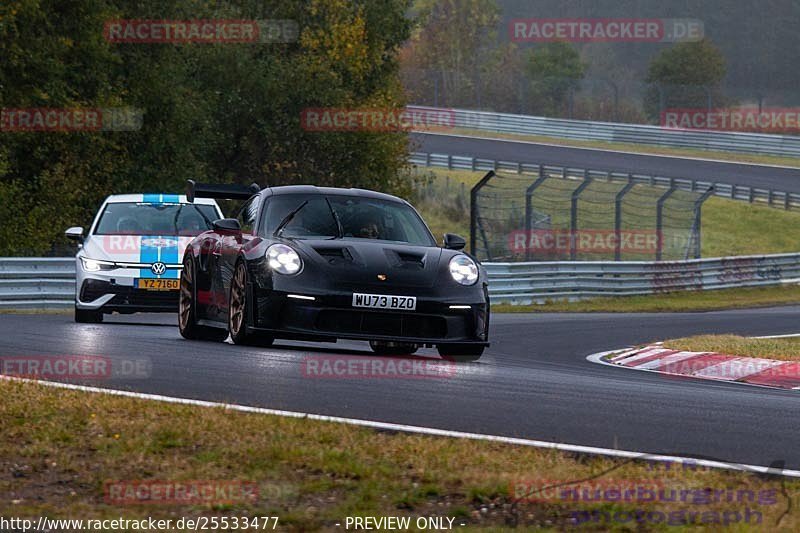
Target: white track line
column 779, row 336
column 625, row 454
column 646, row 154
column 666, row 360
column 637, row 354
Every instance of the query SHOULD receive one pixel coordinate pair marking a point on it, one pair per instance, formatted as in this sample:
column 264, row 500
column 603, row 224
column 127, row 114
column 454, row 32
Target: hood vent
column 335, row 255
column 409, row 260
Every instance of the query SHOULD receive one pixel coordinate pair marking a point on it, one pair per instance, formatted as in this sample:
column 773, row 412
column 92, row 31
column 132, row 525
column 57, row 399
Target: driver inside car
column 369, row 227
column 128, row 226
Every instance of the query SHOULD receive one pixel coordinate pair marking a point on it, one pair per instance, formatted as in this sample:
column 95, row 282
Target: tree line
column 461, row 54
column 221, row 112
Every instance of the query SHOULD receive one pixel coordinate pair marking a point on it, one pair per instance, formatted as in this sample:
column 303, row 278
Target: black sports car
column 320, row 264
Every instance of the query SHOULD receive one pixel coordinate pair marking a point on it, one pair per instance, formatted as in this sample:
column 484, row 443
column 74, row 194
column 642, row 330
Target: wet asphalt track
column 777, row 178
column 534, row 381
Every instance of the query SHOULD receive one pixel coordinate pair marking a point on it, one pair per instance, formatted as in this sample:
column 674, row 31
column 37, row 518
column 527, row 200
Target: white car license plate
column 381, row 301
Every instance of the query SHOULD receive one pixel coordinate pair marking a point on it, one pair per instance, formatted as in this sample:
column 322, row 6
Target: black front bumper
column 129, row 299
column 331, row 317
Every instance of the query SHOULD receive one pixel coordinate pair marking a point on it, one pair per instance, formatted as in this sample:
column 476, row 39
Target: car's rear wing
column 220, row 191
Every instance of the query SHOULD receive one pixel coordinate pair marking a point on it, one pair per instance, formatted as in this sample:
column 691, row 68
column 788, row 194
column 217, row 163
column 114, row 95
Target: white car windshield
column 131, row 218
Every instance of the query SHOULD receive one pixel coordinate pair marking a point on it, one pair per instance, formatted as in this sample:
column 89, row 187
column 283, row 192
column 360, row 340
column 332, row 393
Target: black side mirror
column 75, row 233
column 226, row 225
column 454, row 242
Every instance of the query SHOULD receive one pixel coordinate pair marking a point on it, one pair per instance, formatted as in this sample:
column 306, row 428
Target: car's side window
column 262, row 223
column 247, row 215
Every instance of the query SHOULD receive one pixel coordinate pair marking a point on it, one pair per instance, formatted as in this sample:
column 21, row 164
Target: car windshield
column 133, row 218
column 360, row 218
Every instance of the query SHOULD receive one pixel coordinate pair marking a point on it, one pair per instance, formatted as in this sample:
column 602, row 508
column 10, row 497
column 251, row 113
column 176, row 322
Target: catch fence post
column 573, row 215
column 660, row 220
column 529, row 210
column 618, row 218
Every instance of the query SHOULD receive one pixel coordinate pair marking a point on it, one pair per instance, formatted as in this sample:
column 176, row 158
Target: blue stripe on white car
column 160, row 198
column 158, row 249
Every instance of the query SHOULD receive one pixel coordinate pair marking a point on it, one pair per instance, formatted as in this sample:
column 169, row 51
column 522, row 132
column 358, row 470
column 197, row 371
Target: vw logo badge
column 158, row 268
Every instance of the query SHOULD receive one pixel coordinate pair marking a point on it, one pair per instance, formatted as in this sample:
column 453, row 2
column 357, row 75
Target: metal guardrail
column 525, row 283
column 37, row 282
column 750, row 143
column 49, row 283
column 769, row 197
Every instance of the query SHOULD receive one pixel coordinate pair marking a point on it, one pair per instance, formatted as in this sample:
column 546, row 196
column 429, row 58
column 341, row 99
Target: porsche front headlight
column 463, row 270
column 283, row 259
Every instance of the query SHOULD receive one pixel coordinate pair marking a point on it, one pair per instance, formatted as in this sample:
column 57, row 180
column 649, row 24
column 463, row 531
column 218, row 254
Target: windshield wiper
column 208, row 221
column 175, row 219
column 288, row 218
column 339, row 228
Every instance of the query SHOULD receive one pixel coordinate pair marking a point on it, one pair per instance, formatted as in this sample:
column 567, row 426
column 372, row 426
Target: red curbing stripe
column 629, row 353
column 667, row 360
column 712, row 366
column 737, row 368
column 660, row 355
column 636, row 353
column 689, row 366
column 785, row 376
column 645, row 353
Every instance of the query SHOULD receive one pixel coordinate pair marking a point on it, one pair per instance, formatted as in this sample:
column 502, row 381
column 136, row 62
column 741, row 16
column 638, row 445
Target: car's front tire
column 460, row 353
column 239, row 304
column 88, row 316
column 187, row 309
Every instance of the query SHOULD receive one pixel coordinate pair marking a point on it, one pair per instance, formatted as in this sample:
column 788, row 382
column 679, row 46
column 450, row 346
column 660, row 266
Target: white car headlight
column 464, row 270
column 283, row 259
column 92, row 265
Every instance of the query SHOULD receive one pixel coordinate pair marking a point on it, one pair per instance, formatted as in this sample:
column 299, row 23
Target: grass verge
column 760, row 159
column 688, row 301
column 59, row 447
column 731, row 227
column 783, row 349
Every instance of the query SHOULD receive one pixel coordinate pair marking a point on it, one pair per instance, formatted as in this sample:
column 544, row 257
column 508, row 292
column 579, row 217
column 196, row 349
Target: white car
column 130, row 259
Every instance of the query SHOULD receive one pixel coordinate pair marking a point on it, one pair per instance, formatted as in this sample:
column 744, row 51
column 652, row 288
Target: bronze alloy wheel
column 238, row 312
column 185, row 297
column 187, row 309
column 236, row 315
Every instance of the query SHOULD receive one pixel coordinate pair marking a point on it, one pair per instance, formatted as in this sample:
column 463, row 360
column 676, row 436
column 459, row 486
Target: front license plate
column 381, row 301
column 158, row 284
